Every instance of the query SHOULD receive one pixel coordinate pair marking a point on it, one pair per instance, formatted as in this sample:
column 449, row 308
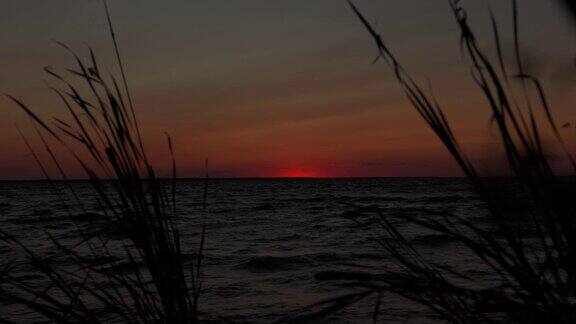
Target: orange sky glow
column 276, row 88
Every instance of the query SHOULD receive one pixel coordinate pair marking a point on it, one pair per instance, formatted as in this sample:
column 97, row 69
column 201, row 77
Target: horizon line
column 257, row 178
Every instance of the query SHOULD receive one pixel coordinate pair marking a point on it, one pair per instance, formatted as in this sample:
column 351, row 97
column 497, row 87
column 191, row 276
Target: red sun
column 300, row 173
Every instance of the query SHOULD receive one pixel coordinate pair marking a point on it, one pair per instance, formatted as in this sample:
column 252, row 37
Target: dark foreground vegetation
column 529, row 244
column 159, row 283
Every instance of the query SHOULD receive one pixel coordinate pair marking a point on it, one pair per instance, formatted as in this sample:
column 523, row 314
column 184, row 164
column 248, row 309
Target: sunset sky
column 277, row 88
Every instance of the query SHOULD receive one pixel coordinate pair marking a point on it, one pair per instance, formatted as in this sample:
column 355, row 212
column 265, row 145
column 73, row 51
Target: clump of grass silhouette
column 530, row 249
column 158, row 281
column 570, row 6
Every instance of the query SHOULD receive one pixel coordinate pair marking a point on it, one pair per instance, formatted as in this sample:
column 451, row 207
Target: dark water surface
column 266, row 238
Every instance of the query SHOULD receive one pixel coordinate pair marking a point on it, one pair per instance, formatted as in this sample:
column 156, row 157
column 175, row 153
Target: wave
column 380, row 199
column 42, row 212
column 447, row 198
column 43, row 216
column 223, row 211
column 263, row 207
column 307, row 199
column 270, row 263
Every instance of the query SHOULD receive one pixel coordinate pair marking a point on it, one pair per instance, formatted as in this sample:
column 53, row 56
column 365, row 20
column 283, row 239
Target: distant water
column 266, row 238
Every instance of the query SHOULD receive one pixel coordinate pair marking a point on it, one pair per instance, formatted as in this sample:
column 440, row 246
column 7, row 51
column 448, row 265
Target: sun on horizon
column 301, row 172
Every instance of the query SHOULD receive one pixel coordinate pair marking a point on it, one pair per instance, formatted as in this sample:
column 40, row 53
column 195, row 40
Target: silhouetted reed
column 158, row 281
column 529, row 248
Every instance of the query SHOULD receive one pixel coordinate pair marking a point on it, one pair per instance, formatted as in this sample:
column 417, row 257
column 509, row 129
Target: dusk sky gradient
column 277, row 88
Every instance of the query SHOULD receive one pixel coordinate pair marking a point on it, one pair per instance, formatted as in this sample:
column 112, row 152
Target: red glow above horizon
column 301, row 173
